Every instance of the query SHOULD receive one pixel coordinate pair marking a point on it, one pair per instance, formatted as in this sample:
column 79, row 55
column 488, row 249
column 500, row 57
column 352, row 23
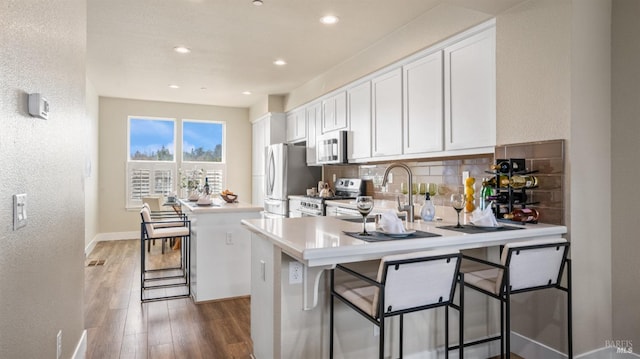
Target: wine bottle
column 206, row 186
column 502, row 198
column 484, row 194
column 523, row 215
column 502, row 167
column 504, row 182
column 523, row 181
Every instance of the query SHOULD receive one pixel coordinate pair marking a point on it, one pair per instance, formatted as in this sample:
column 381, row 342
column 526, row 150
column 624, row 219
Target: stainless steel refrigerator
column 286, row 174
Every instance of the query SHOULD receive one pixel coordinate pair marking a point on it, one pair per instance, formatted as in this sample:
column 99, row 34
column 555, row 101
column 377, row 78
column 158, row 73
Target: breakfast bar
column 289, row 291
column 219, row 249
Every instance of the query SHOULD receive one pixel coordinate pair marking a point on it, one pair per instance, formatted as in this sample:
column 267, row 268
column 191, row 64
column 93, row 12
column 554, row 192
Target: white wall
column 113, row 152
column 42, row 274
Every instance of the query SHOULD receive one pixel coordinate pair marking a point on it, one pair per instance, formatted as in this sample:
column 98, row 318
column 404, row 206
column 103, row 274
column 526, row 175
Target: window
column 203, row 148
column 152, row 161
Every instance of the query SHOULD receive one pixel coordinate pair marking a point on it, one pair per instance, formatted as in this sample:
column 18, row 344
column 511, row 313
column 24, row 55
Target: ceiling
column 234, row 44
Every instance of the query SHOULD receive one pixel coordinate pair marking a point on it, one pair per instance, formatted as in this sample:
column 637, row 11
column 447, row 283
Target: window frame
column 176, row 165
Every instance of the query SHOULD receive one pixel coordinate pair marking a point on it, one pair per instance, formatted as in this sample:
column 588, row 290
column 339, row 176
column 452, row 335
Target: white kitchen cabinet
column 313, row 113
column 387, row 114
column 296, row 126
column 359, row 117
column 334, row 112
column 470, row 88
column 423, row 105
column 266, row 130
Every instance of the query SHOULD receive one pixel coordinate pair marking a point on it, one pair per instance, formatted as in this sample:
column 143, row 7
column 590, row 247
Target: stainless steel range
column 345, row 188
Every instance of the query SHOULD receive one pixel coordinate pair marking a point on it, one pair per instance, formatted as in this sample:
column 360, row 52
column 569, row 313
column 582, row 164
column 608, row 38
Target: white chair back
column 146, row 217
column 534, row 263
column 154, row 203
column 418, row 279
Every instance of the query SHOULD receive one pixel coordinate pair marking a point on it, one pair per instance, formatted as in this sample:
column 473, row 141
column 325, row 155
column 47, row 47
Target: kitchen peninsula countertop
column 223, row 208
column 318, row 241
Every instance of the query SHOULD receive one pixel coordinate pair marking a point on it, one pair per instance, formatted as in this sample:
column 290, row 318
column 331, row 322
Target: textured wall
column 42, row 46
column 114, row 217
column 625, row 148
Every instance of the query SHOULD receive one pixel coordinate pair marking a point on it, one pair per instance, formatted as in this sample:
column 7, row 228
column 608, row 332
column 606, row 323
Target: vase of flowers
column 190, row 183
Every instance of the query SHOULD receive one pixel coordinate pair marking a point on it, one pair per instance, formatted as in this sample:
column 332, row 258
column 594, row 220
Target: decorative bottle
column 428, row 209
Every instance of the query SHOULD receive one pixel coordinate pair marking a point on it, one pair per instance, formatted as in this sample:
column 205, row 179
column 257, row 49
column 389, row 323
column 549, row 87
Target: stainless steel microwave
column 331, row 148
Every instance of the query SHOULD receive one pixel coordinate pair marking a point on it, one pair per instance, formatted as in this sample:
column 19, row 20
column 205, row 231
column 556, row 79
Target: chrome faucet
column 409, row 207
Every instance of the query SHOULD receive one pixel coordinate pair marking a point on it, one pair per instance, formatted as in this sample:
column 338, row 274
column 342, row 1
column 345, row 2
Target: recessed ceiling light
column 181, row 50
column 174, row 86
column 280, row 62
column 329, row 19
column 203, row 88
column 257, row 2
column 246, row 92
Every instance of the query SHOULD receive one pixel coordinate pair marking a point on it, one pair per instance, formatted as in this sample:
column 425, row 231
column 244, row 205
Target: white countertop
column 224, row 208
column 317, row 241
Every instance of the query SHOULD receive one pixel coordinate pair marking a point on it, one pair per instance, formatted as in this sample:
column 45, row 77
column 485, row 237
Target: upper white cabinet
column 334, row 112
column 296, row 126
column 313, row 114
column 359, row 116
column 387, row 113
column 423, row 105
column 470, row 92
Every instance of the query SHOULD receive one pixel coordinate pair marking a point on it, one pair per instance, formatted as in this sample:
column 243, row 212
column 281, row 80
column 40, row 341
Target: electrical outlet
column 295, row 272
column 59, row 345
column 229, row 240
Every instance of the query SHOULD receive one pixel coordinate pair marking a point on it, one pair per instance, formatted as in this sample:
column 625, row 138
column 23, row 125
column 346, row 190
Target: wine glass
column 457, row 202
column 364, row 205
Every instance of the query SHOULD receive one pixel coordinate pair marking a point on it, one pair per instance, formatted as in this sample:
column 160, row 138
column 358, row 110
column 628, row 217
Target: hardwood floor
column 119, row 326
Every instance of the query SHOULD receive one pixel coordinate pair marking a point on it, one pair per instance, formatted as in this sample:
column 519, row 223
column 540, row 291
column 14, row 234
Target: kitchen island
column 289, row 316
column 220, row 249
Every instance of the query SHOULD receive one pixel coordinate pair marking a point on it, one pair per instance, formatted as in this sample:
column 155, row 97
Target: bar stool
column 405, row 283
column 167, row 276
column 164, row 219
column 525, row 266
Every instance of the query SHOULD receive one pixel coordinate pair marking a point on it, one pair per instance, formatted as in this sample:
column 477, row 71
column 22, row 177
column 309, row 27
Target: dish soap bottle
column 428, row 209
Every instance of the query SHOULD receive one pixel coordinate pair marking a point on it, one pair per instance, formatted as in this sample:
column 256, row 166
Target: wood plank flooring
column 119, row 326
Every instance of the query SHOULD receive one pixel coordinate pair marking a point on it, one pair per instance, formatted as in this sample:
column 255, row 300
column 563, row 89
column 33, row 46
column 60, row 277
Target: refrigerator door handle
column 271, row 175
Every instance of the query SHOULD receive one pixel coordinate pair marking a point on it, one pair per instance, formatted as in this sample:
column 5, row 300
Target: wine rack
column 516, row 166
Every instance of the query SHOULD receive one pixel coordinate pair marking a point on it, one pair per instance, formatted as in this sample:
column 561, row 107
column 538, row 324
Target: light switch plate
column 19, row 211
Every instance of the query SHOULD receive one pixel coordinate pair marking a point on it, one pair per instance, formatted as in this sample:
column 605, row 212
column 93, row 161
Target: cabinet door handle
column 263, row 271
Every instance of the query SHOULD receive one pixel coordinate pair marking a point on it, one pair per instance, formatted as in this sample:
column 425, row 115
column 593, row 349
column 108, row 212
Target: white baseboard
column 607, row 353
column 111, row 236
column 531, row 349
column 81, row 348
